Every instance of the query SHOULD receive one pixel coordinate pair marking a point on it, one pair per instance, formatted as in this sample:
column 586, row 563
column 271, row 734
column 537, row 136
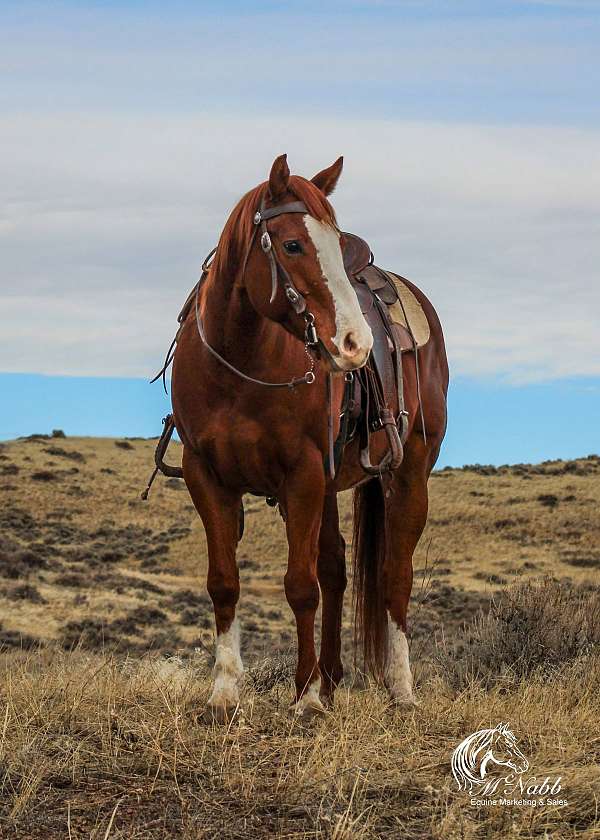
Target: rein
column 294, row 297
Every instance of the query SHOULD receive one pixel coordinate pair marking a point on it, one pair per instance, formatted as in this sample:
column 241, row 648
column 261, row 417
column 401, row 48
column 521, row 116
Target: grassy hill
column 106, row 639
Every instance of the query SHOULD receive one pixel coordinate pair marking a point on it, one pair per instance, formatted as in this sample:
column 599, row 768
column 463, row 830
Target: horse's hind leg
column 219, row 510
column 331, row 570
column 406, row 518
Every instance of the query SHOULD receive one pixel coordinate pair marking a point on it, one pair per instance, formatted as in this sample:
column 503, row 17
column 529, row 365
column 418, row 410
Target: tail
column 369, row 549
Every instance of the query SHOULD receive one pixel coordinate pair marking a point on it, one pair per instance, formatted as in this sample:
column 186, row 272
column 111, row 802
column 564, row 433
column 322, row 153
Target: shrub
column 535, row 626
column 26, row 592
column 59, row 452
column 271, row 672
column 548, row 500
column 44, row 475
column 90, row 633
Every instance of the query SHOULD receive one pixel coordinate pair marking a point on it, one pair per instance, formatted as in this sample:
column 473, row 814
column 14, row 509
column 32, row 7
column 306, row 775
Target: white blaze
column 398, row 677
column 228, row 668
column 348, row 317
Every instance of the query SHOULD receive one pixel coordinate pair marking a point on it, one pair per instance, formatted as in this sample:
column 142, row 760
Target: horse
column 274, row 316
column 471, row 758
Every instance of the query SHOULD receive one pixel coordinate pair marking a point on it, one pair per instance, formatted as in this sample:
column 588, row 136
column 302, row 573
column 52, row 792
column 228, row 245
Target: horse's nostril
column 350, row 345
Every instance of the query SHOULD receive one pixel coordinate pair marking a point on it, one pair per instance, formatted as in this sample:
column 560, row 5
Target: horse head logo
column 472, row 758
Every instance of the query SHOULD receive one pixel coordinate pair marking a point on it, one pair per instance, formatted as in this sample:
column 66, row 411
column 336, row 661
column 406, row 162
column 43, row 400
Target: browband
column 263, row 215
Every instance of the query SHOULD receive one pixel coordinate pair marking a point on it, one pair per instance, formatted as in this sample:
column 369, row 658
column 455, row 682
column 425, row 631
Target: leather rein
column 278, row 275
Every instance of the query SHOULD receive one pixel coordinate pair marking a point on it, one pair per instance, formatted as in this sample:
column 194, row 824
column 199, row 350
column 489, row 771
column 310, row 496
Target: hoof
column 327, row 700
column 405, row 703
column 308, row 712
column 310, row 704
column 219, row 714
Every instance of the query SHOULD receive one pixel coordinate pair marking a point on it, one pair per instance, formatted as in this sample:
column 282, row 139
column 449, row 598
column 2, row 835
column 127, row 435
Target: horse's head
column 306, row 247
column 504, row 750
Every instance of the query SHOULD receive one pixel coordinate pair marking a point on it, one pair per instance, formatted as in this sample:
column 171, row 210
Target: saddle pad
column 408, row 303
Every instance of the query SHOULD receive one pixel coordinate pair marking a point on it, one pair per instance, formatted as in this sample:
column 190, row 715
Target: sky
column 470, row 133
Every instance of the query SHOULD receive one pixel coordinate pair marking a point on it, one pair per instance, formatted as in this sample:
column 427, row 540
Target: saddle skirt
column 403, row 307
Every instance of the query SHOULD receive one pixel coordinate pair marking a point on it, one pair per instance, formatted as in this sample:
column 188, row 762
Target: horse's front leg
column 303, row 497
column 219, row 510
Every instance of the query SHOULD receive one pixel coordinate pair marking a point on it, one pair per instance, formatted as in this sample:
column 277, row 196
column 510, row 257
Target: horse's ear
column 279, row 177
column 326, row 180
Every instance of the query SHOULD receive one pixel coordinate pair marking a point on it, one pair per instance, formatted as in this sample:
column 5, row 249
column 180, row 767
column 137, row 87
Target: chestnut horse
column 239, row 436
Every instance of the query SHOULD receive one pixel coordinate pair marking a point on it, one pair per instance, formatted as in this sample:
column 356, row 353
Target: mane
column 465, row 756
column 239, row 226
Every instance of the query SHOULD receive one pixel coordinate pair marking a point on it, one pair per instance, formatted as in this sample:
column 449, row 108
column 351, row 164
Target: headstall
column 278, row 274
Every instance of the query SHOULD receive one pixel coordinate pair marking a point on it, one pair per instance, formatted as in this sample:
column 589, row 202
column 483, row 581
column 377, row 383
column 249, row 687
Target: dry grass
column 99, row 731
column 89, row 738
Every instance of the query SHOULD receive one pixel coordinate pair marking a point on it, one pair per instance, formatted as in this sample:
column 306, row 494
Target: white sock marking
column 310, row 699
column 228, row 668
column 398, row 677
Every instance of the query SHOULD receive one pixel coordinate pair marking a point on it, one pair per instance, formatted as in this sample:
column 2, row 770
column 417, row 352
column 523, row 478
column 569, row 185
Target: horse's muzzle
column 342, row 364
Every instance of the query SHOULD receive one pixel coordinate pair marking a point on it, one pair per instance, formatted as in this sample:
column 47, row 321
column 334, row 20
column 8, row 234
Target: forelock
column 239, row 227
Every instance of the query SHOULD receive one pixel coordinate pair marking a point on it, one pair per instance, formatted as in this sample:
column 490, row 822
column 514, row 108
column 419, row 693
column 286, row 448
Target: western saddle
column 374, row 395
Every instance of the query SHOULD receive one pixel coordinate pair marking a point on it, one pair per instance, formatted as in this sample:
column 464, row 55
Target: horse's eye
column 292, row 246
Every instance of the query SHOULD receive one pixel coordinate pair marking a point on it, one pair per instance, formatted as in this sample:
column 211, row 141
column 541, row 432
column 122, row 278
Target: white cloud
column 105, row 220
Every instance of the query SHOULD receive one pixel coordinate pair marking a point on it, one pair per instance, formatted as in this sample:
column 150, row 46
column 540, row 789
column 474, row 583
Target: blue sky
column 491, row 422
column 493, row 61
column 471, row 138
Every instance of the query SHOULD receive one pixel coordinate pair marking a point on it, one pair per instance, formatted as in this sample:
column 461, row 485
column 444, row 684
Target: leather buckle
column 311, row 331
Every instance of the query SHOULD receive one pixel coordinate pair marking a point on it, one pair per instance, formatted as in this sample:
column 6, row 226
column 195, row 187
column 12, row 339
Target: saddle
column 399, row 325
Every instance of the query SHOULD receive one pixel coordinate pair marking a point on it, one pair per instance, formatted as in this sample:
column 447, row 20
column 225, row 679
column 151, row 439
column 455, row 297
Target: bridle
column 279, row 275
column 297, row 301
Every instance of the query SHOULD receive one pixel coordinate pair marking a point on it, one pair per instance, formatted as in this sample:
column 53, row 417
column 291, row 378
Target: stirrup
column 395, row 454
